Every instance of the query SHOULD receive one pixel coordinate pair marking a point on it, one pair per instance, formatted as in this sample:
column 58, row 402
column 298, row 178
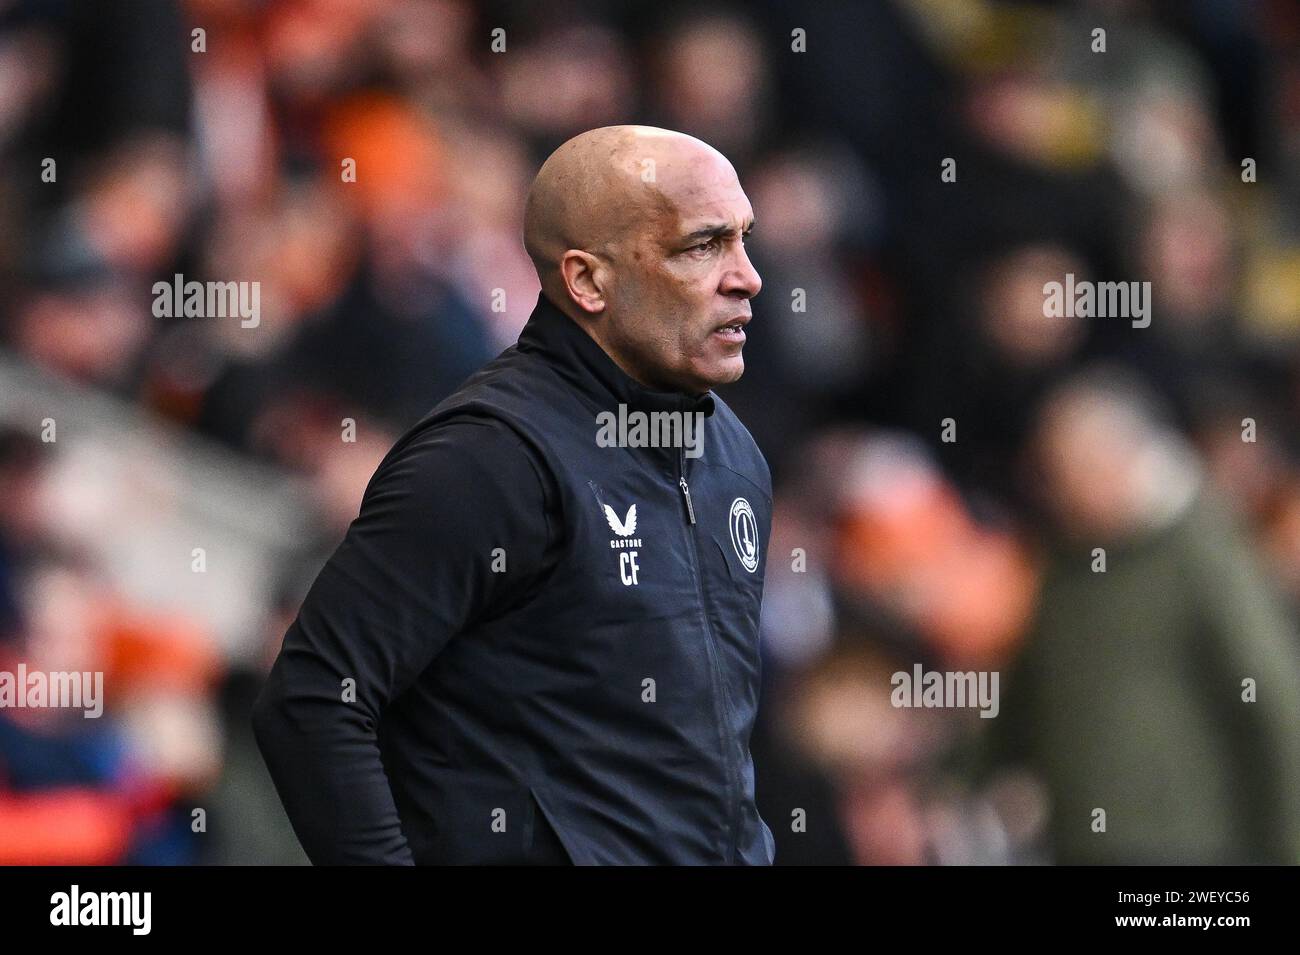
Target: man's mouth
column 734, row 330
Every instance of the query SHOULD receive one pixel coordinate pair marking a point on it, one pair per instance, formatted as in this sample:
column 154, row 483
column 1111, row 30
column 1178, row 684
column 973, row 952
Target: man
column 1160, row 685
column 533, row 646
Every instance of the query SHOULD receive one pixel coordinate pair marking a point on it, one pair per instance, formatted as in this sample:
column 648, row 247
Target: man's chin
column 726, row 371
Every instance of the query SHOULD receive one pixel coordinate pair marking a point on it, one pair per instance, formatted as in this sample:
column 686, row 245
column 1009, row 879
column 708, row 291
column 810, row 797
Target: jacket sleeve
column 1250, row 635
column 416, row 566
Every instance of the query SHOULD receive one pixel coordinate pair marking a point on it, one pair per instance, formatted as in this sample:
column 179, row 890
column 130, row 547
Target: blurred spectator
column 1160, row 681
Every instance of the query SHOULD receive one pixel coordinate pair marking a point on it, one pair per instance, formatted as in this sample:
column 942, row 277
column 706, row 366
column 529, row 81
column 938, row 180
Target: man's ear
column 584, row 278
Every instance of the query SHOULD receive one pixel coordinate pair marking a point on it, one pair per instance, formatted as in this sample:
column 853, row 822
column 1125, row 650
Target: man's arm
column 414, row 569
column 1249, row 634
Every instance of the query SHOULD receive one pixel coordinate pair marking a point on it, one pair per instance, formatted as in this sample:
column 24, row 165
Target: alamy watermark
column 951, row 689
column 181, row 299
column 130, row 909
column 1086, row 299
column 653, row 429
column 36, row 689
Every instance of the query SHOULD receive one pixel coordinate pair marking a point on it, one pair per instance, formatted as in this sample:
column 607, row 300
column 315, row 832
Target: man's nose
column 742, row 278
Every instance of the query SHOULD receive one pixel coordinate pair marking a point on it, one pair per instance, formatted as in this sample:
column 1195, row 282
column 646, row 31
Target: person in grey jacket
column 1157, row 696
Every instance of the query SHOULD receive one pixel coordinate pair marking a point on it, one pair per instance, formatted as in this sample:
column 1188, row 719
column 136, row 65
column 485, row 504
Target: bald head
column 637, row 233
column 603, row 186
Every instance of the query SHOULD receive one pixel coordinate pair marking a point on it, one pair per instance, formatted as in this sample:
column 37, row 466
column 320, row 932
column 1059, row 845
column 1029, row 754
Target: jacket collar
column 583, row 363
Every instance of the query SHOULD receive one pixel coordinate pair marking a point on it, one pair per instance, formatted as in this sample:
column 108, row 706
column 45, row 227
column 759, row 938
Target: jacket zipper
column 686, row 493
column 719, row 690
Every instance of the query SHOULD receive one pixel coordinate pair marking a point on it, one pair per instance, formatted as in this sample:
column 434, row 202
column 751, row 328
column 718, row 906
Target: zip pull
column 686, row 493
column 681, row 480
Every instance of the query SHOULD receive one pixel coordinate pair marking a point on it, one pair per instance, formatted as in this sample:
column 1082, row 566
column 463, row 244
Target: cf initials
column 627, row 568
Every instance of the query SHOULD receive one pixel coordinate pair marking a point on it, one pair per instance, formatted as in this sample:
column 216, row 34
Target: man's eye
column 703, row 246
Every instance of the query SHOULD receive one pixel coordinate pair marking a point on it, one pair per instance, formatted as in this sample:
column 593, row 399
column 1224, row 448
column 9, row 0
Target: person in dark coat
column 538, row 641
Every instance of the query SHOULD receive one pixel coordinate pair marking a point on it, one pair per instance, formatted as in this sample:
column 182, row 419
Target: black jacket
column 525, row 691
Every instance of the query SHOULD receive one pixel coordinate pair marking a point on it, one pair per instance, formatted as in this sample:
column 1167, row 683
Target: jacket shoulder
column 494, row 396
column 739, row 450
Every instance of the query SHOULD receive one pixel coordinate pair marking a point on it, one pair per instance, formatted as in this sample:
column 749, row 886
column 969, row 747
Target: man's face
column 682, row 280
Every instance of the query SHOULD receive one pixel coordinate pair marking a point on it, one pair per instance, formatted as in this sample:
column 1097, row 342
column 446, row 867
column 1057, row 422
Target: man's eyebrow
column 721, row 229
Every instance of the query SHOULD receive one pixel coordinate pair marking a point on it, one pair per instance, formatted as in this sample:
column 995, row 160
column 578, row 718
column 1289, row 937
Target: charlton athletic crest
column 744, row 534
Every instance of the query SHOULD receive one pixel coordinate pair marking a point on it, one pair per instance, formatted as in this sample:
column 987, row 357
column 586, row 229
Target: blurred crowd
column 950, row 465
